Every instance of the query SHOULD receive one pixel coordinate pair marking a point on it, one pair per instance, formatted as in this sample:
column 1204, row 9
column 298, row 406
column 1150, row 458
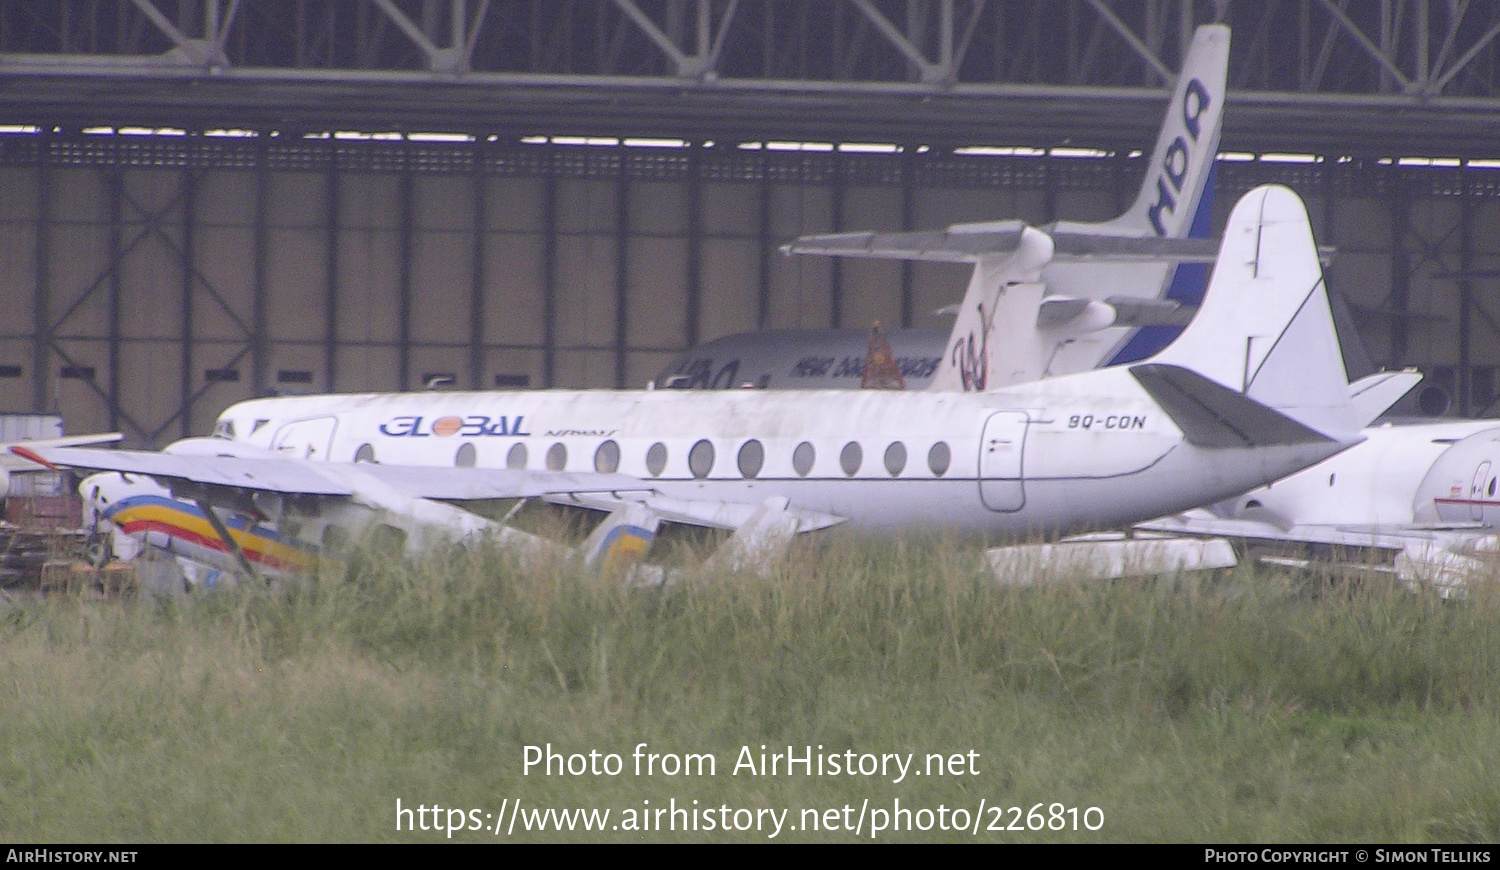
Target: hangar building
column 207, row 200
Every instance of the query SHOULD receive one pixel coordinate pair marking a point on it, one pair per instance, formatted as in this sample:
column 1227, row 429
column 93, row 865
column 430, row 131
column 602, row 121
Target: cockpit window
column 224, row 429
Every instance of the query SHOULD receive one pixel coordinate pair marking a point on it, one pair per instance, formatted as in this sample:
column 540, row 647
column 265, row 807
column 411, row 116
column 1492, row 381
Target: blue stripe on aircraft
column 1189, row 281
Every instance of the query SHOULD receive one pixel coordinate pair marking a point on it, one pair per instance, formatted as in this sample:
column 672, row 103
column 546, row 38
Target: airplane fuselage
column 1087, row 452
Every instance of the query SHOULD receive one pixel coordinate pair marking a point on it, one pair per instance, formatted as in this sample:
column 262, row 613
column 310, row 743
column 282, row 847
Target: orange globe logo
column 445, row 426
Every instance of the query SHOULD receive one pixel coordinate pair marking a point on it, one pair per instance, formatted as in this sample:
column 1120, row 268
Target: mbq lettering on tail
column 1175, row 163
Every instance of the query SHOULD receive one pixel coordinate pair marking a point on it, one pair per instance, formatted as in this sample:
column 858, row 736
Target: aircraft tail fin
column 1185, row 148
column 622, row 538
column 1265, row 328
column 1003, row 289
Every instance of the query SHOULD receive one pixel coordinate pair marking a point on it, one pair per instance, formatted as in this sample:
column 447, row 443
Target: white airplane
column 1420, row 498
column 1115, row 293
column 1253, row 390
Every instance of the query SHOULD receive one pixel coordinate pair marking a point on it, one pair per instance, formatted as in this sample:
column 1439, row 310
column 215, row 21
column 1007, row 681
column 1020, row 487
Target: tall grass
column 1243, row 706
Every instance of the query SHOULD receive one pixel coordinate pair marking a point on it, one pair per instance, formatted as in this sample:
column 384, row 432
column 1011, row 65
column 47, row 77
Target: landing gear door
column 1001, row 450
column 306, row 439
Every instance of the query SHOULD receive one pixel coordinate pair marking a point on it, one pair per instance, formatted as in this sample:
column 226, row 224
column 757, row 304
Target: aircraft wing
column 1356, row 537
column 1441, row 557
column 289, row 476
column 12, row 462
column 191, row 474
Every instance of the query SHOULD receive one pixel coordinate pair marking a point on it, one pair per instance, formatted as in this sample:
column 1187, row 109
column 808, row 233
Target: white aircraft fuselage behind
column 1084, row 452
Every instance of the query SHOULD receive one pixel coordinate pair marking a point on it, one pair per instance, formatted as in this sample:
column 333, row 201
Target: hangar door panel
column 1001, row 450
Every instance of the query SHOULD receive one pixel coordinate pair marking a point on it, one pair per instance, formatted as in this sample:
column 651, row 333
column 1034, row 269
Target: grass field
column 1247, row 706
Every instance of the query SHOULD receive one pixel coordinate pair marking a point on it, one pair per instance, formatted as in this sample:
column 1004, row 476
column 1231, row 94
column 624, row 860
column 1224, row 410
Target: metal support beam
column 766, row 247
column 1400, row 206
column 115, row 181
column 836, row 268
column 480, row 188
column 259, row 288
column 1465, row 306
column 694, row 267
column 1134, row 41
column 189, row 216
column 705, row 57
column 404, row 243
column 622, row 268
column 549, row 273
column 908, row 223
column 42, row 397
column 332, row 185
column 230, row 544
column 1381, row 57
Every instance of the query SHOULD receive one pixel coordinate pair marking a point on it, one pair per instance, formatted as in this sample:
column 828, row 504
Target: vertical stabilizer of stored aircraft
column 1115, row 291
column 1181, row 162
column 1003, row 289
column 1265, row 328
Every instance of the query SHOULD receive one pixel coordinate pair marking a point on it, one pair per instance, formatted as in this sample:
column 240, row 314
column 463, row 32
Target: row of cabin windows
column 751, row 458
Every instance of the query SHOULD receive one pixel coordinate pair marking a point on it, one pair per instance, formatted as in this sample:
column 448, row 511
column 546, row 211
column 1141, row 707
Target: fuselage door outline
column 1002, row 450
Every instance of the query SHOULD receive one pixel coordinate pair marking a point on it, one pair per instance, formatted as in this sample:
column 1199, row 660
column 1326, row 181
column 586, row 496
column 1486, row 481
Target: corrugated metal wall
column 150, row 281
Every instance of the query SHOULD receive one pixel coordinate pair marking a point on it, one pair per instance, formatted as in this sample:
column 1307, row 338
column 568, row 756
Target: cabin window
column 895, row 458
column 939, row 458
column 365, row 453
column 851, row 457
column 557, row 457
column 802, row 459
column 607, row 458
column 701, row 459
column 656, row 459
column 466, row 457
column 752, row 457
column 516, row 458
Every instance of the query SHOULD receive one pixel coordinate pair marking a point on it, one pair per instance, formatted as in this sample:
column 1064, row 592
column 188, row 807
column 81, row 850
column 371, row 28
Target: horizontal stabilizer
column 1212, row 415
column 1373, row 395
column 1082, row 315
column 1139, row 311
column 960, row 243
column 1073, row 245
column 1058, row 310
column 966, row 243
